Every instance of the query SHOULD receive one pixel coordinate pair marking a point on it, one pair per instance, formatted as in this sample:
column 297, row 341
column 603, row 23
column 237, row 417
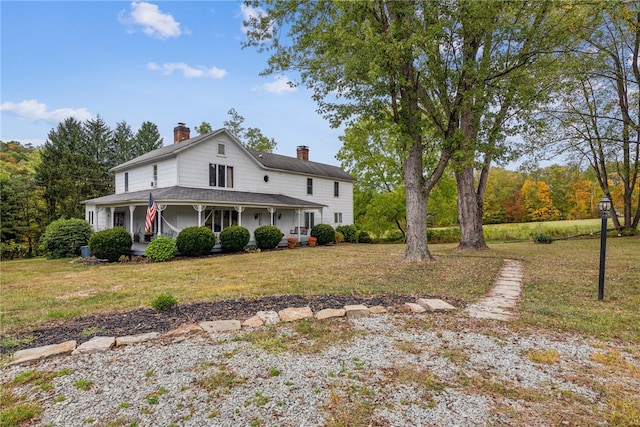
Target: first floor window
column 309, row 220
column 337, row 217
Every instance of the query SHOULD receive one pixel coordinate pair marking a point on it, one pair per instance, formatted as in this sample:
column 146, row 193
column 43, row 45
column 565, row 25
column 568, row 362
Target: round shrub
column 63, row 238
column 324, row 233
column 110, row 244
column 363, row 237
column 234, row 238
column 350, row 232
column 162, row 248
column 267, row 236
column 164, row 302
column 195, row 241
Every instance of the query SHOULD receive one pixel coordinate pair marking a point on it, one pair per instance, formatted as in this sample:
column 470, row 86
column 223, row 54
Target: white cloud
column 281, row 84
column 187, row 71
column 154, row 23
column 249, row 13
column 33, row 110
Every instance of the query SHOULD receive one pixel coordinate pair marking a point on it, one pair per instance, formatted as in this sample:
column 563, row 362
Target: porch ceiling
column 187, row 196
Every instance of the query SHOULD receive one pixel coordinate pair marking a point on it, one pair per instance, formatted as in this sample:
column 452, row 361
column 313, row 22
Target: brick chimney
column 303, row 152
column 180, row 133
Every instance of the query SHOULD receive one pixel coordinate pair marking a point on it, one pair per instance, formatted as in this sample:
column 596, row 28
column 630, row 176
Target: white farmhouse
column 213, row 180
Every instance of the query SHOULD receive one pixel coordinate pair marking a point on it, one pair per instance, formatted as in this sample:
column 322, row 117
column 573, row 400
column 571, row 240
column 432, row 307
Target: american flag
column 151, row 214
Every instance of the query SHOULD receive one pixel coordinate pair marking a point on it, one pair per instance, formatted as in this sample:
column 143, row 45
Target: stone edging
column 291, row 314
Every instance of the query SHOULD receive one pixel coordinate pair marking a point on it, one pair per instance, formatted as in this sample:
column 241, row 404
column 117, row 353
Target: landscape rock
column 292, row 314
column 183, row 330
column 135, row 339
column 328, row 313
column 378, row 309
column 221, row 326
column 269, row 317
column 253, row 322
column 95, row 345
column 435, row 304
column 37, row 353
column 412, row 307
column 356, row 310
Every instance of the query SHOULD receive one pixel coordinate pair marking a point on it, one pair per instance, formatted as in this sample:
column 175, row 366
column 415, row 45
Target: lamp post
column 604, row 206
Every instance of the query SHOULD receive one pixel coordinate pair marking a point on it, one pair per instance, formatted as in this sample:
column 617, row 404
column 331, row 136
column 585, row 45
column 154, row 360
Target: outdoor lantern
column 604, row 206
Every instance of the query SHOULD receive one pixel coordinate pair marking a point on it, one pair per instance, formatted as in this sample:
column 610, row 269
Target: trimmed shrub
column 350, row 232
column 63, row 238
column 234, row 238
column 110, row 244
column 162, row 248
column 164, row 302
column 324, row 233
column 267, row 236
column 195, row 241
column 363, row 237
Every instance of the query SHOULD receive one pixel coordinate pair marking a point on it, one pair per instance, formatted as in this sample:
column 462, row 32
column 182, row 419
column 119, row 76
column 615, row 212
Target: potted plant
column 291, row 242
column 312, row 241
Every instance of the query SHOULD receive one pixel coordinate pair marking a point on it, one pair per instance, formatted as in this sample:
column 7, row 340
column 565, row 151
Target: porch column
column 112, row 209
column 97, row 224
column 199, row 209
column 298, row 211
column 239, row 209
column 131, row 209
column 271, row 211
column 159, row 225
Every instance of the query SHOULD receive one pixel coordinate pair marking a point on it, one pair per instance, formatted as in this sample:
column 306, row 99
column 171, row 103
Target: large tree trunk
column 416, row 199
column 469, row 212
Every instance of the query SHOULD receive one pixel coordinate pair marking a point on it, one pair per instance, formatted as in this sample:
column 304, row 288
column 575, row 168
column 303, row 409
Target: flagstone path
column 502, row 299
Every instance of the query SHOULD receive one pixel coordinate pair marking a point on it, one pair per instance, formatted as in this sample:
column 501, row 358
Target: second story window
column 309, row 186
column 154, row 183
column 336, row 189
column 126, row 181
column 221, row 149
column 220, row 176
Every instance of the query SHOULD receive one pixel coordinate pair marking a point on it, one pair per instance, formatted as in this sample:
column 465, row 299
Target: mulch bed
column 148, row 320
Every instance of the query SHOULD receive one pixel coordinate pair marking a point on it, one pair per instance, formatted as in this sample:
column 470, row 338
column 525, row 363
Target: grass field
column 560, row 283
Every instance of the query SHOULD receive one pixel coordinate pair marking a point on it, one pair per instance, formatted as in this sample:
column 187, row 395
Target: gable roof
column 264, row 159
column 293, row 164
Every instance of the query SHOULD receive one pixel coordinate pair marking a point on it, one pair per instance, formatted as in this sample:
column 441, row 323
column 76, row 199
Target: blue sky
column 164, row 62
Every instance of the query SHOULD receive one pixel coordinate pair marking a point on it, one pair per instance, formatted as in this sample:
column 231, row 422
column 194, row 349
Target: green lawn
column 560, row 283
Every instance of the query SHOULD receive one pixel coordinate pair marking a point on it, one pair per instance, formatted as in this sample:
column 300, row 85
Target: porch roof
column 186, row 196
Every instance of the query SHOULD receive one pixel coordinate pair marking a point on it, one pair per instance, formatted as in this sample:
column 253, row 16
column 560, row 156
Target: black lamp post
column 604, row 206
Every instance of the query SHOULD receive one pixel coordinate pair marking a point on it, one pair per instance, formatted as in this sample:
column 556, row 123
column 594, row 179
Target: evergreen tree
column 147, row 139
column 123, row 143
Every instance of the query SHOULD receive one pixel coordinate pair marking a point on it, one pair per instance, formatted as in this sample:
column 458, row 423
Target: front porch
column 179, row 208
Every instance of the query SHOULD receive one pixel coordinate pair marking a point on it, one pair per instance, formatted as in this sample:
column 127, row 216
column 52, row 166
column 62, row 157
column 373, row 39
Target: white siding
column 141, row 177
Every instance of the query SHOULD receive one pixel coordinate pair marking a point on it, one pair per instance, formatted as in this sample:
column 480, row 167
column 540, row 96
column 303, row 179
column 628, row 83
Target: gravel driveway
column 382, row 370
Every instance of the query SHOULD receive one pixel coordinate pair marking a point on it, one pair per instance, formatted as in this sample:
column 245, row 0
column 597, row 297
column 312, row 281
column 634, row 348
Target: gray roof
column 266, row 160
column 293, row 164
column 186, row 196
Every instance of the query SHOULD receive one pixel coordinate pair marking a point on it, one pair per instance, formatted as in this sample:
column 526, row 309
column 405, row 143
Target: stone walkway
column 503, row 297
